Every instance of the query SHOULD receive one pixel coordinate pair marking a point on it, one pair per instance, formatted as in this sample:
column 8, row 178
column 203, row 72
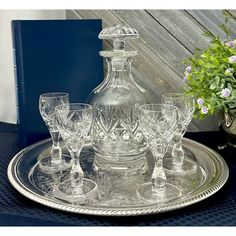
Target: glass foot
column 189, row 167
column 47, row 166
column 145, row 193
column 86, row 193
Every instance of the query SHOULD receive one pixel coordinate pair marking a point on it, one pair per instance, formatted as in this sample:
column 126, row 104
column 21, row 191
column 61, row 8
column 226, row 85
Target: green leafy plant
column 211, row 75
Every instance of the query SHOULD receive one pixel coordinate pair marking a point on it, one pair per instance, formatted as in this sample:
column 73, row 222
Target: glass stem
column 56, row 177
column 158, row 175
column 56, row 149
column 177, row 151
column 76, row 173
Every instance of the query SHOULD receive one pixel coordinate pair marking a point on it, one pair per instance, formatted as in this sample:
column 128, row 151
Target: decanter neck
column 119, row 65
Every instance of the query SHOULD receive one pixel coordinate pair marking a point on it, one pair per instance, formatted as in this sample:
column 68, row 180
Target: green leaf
column 233, row 93
column 232, row 105
column 213, row 86
column 217, row 80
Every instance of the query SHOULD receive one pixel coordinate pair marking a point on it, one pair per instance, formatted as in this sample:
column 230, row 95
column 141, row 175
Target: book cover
column 53, row 56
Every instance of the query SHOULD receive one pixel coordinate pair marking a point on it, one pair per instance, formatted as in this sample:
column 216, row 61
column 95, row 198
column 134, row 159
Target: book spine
column 19, row 77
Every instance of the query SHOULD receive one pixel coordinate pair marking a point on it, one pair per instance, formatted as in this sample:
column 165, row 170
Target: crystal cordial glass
column 117, row 140
column 47, row 103
column 74, row 121
column 179, row 162
column 158, row 123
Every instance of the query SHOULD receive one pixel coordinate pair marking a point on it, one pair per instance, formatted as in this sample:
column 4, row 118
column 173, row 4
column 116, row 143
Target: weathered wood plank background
column 167, row 37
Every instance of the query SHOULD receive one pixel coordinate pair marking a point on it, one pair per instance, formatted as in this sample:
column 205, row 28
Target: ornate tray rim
column 106, row 211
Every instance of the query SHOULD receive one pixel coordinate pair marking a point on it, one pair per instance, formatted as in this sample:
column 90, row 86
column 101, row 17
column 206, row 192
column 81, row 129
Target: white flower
column 226, row 92
column 200, row 101
column 229, row 71
column 186, row 73
column 232, row 59
column 230, row 43
column 188, row 69
column 204, row 110
column 185, row 79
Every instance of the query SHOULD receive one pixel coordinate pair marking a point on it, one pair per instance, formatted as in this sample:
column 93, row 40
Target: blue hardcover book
column 51, row 56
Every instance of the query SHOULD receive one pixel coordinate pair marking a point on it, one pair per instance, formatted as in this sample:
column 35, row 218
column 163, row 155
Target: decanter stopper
column 119, row 34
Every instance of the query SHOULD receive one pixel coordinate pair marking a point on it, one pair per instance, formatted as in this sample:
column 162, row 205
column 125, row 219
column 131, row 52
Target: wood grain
column 181, row 26
column 211, row 19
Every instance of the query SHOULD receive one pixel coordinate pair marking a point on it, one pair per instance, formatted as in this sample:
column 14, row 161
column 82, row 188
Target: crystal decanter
column 117, row 140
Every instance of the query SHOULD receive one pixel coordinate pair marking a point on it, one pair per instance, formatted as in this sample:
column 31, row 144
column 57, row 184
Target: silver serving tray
column 118, row 196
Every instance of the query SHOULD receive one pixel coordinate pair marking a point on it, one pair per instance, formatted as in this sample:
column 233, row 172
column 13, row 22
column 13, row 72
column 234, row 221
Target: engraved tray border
column 219, row 167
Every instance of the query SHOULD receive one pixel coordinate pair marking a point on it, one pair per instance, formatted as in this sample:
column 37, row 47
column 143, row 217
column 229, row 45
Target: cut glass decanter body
column 117, row 140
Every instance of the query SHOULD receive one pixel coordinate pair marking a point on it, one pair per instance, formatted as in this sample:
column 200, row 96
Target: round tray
column 118, row 196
